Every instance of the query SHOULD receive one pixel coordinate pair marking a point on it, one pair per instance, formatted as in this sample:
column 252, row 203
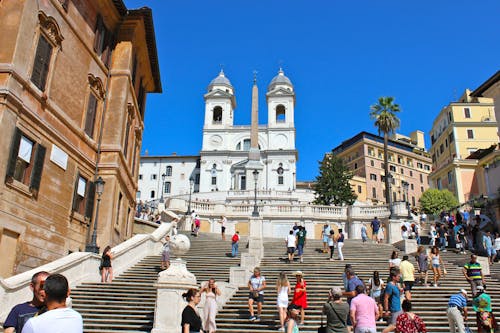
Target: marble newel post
column 172, row 283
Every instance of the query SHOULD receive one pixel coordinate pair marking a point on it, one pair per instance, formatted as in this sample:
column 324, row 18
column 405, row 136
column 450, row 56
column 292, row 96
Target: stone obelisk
column 254, row 152
column 254, row 171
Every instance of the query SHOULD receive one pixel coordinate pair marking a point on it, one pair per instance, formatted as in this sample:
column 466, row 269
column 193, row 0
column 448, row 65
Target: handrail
column 78, row 267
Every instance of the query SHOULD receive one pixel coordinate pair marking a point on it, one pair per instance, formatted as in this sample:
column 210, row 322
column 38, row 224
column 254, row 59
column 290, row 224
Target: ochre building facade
column 74, row 76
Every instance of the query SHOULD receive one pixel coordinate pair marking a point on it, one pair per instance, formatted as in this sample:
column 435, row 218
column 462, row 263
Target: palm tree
column 386, row 120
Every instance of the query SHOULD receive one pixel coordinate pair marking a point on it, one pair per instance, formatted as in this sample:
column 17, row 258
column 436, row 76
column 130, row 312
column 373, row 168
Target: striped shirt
column 473, row 270
column 458, row 300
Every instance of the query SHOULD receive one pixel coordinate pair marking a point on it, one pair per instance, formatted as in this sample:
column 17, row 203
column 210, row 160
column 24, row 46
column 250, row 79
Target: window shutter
column 98, row 34
column 90, row 117
column 36, row 175
column 41, row 64
column 14, row 151
column 75, row 192
column 109, row 41
column 89, row 208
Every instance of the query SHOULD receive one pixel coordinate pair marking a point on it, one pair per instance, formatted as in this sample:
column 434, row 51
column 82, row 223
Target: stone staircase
column 320, row 274
column 128, row 303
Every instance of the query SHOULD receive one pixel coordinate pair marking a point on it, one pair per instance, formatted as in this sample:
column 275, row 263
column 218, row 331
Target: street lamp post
column 407, row 201
column 389, row 177
column 255, row 212
column 162, row 187
column 191, row 183
column 99, row 188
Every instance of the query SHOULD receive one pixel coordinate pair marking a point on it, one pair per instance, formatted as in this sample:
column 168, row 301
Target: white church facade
column 220, row 167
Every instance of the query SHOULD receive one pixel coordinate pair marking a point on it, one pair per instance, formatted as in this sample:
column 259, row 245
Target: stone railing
column 285, row 211
column 81, row 267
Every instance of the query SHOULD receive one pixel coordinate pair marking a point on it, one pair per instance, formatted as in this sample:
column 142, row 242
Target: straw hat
column 298, row 273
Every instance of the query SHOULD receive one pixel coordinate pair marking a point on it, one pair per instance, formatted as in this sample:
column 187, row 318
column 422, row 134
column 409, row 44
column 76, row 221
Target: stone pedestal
column 239, row 276
column 409, row 246
column 187, row 223
column 485, row 266
column 393, row 231
column 355, row 229
column 255, row 243
column 249, row 260
column 172, row 283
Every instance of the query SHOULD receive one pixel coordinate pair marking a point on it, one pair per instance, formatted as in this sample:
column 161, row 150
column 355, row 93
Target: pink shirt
column 366, row 311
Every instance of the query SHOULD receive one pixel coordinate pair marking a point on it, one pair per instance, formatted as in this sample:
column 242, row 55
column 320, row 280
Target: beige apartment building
column 73, row 81
column 409, row 164
column 461, row 129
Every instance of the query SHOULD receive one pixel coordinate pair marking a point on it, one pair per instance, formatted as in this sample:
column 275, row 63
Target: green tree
column 387, row 122
column 434, row 201
column 332, row 184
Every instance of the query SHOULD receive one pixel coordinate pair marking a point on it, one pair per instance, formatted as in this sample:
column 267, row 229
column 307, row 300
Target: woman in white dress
column 381, row 234
column 282, row 288
column 210, row 309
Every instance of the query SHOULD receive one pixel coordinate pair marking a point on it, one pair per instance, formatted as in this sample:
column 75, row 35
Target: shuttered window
column 26, row 161
column 90, row 116
column 83, row 196
column 41, row 63
column 103, row 41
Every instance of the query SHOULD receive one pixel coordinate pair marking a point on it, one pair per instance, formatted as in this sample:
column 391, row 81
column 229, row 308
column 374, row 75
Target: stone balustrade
column 280, row 210
column 81, row 267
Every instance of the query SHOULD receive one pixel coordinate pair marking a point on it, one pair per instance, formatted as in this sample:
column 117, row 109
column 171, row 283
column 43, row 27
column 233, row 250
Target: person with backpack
column 235, row 243
column 485, row 319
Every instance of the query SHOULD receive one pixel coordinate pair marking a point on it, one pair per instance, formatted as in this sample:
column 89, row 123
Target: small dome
column 220, row 80
column 280, row 79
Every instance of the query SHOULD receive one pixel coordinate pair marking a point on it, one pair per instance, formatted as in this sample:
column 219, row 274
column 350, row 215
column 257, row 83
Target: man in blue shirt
column 352, row 282
column 488, row 246
column 392, row 300
column 457, row 304
column 21, row 313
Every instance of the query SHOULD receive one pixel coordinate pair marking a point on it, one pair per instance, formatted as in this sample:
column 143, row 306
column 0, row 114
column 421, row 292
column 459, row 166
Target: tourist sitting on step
column 58, row 318
column 22, row 312
column 282, row 288
column 256, row 286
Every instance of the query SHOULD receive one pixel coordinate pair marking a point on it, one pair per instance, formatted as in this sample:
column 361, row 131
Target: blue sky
column 340, row 55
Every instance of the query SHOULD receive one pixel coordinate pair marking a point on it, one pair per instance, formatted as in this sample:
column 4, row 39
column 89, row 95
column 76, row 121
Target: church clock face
column 216, row 140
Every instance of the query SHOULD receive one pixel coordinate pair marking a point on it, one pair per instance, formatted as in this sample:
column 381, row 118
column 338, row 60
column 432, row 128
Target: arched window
column 217, row 115
column 246, row 144
column 280, row 113
column 168, row 172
